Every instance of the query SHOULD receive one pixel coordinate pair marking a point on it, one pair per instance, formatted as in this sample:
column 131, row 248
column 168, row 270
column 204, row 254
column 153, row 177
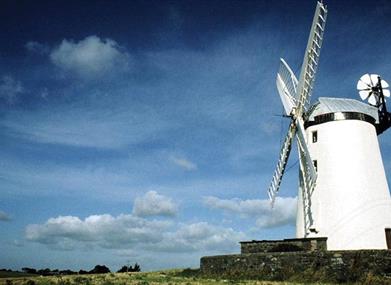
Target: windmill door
column 388, row 238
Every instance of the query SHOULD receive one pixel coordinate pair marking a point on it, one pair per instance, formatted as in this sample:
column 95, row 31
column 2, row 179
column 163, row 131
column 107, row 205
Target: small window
column 315, row 164
column 388, row 238
column 314, row 136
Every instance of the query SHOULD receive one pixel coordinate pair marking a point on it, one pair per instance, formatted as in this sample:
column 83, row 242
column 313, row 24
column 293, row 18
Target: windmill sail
column 295, row 97
column 307, row 165
column 351, row 210
column 280, row 169
column 311, row 58
column 286, row 82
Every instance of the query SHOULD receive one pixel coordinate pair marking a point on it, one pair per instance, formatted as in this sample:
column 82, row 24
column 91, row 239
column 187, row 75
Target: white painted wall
column 351, row 203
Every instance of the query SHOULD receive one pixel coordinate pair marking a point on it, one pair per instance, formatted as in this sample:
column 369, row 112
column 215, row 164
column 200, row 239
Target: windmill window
column 314, row 136
column 315, row 164
column 388, row 237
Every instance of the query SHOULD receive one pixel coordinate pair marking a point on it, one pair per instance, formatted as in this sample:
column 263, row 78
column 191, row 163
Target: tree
column 98, row 269
column 44, row 272
column 29, row 270
column 67, row 272
column 136, row 268
column 123, row 269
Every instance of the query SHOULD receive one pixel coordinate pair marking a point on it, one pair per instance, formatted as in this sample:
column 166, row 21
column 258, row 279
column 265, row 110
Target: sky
column 148, row 131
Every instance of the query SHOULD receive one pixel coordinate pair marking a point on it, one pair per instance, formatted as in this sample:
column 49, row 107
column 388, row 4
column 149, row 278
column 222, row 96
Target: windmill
column 343, row 191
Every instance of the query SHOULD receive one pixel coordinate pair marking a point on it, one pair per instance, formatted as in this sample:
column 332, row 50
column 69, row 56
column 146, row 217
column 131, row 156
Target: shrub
column 123, row 269
column 98, row 269
column 135, row 268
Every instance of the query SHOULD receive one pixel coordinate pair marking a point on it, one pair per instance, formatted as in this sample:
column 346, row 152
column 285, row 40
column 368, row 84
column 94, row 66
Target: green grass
column 170, row 277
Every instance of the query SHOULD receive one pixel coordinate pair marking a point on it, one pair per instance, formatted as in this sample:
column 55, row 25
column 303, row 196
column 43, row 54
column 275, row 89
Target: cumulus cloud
column 133, row 231
column 67, row 232
column 129, row 232
column 4, row 217
column 283, row 212
column 200, row 236
column 154, row 204
column 90, row 57
column 183, row 163
column 10, row 89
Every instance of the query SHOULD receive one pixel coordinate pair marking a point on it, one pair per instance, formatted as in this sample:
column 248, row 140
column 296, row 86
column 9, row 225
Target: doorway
column 388, row 237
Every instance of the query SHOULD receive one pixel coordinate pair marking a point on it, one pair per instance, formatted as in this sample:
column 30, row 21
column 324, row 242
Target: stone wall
column 330, row 266
column 286, row 245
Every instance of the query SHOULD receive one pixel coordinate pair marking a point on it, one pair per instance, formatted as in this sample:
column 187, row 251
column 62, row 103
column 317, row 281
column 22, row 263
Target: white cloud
column 91, row 57
column 131, row 233
column 4, row 216
column 10, row 89
column 134, row 233
column 183, row 163
column 199, row 236
column 68, row 232
column 283, row 212
column 154, row 204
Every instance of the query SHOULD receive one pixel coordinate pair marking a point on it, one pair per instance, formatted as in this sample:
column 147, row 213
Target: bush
column 125, row 268
column 136, row 268
column 29, row 270
column 99, row 269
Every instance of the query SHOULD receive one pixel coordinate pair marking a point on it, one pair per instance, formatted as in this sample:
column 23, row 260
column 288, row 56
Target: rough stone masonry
column 298, row 259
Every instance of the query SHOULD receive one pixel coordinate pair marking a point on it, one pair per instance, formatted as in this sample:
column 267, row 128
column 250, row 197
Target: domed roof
column 326, row 105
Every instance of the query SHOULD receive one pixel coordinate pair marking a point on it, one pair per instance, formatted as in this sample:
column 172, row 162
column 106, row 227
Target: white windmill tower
column 343, row 191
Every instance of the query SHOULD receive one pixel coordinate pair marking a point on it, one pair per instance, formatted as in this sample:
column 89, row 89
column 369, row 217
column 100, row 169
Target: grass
column 169, row 277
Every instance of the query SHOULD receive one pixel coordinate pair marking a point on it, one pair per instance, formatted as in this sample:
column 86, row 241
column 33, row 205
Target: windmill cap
column 326, row 105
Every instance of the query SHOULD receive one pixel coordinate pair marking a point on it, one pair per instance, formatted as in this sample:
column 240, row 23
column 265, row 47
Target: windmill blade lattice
column 286, row 82
column 295, row 96
column 369, row 87
column 311, row 58
column 281, row 165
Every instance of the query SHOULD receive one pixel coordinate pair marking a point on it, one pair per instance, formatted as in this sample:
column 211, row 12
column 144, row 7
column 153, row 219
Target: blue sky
column 148, row 131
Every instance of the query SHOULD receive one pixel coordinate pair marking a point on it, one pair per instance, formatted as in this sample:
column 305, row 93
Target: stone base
column 285, row 245
column 304, row 265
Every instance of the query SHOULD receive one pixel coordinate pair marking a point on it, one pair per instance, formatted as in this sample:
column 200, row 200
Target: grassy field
column 172, row 277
